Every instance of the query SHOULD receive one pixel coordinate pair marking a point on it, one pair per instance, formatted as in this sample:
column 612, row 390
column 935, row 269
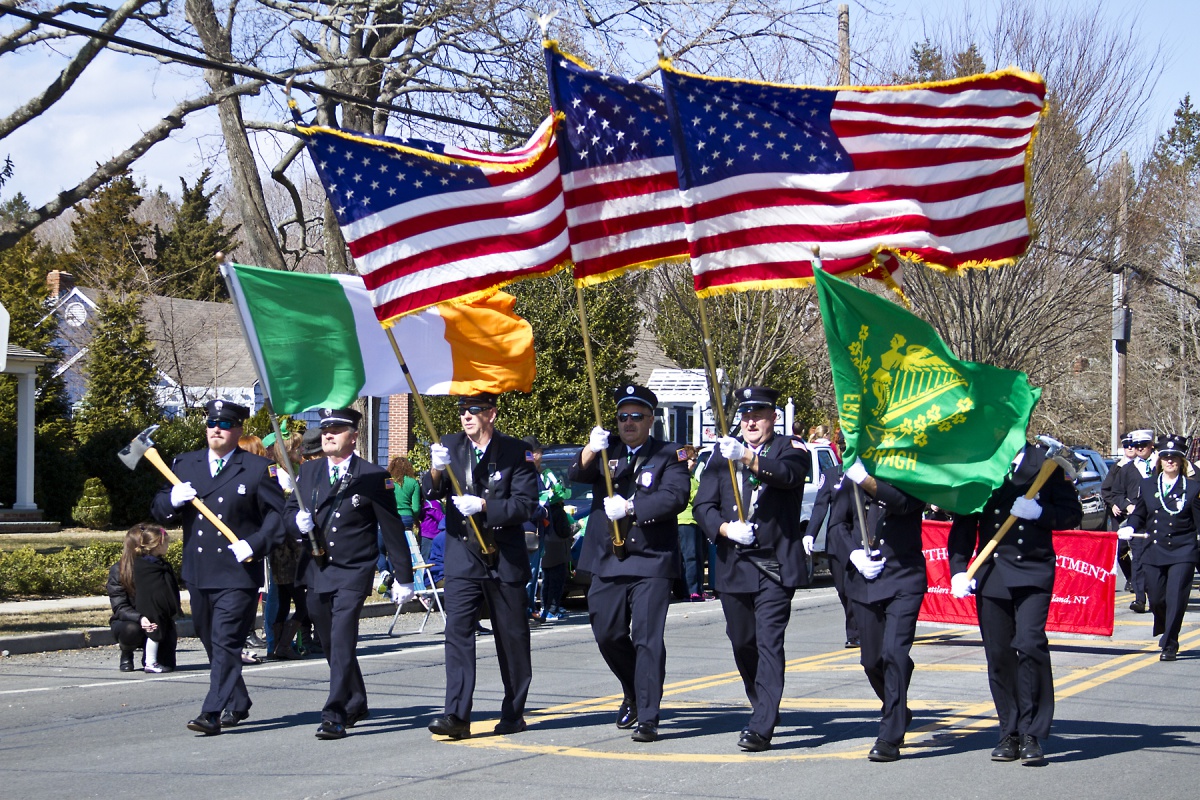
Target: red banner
column 1084, row 583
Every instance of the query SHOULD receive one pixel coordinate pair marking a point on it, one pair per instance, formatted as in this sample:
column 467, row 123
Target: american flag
column 618, row 171
column 934, row 173
column 429, row 223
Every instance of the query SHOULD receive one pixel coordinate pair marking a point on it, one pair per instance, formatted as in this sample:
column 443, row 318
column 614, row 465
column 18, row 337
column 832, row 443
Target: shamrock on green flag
column 941, row 429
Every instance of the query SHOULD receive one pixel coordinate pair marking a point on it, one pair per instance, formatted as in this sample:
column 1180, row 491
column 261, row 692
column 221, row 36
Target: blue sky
column 121, row 96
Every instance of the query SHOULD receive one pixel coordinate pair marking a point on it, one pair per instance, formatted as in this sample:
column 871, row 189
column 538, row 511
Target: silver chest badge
column 354, row 501
column 646, row 479
column 241, row 488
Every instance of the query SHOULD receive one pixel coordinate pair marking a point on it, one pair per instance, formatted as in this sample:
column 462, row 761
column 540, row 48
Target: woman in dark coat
column 125, row 622
column 1168, row 514
column 156, row 598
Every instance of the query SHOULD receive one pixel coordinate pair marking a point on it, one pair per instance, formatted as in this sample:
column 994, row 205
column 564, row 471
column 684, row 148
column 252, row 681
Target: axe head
column 132, row 453
column 1065, row 456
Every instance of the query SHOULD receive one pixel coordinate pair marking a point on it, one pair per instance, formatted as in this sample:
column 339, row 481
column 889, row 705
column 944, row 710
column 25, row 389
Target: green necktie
column 337, row 473
column 220, row 465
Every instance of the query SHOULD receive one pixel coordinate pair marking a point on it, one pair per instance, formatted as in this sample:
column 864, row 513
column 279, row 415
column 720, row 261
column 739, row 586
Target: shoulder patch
column 529, row 456
column 681, row 454
column 273, row 470
column 388, row 483
column 799, row 445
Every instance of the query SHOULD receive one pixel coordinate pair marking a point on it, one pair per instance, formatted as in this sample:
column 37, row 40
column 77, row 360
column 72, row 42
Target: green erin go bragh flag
column 943, row 430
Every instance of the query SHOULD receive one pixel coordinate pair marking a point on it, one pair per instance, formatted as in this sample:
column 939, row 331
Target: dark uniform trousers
column 1168, row 556
column 1018, row 658
column 351, row 516
column 224, row 592
column 504, row 477
column 757, row 608
column 756, row 623
column 628, row 598
column 888, row 628
column 1014, row 589
column 835, row 547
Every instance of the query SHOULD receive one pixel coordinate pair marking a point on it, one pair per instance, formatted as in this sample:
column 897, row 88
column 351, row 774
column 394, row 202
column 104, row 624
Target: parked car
column 1088, row 480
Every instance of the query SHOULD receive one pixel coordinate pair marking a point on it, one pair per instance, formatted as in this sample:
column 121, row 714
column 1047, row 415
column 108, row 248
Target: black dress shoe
column 1031, row 751
column 753, row 742
column 884, row 751
column 450, row 725
column 627, row 715
column 507, row 726
column 357, row 717
column 852, row 643
column 126, row 661
column 1168, row 654
column 331, row 730
column 231, row 718
column 1138, row 608
column 645, row 732
column 208, row 723
column 1128, row 586
column 1008, row 749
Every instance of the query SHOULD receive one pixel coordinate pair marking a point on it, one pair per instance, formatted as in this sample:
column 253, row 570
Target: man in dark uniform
column 1168, row 512
column 886, row 586
column 835, row 543
column 761, row 559
column 345, row 500
column 631, row 588
column 1119, row 492
column 1012, row 597
column 500, row 493
column 1129, row 483
column 223, row 578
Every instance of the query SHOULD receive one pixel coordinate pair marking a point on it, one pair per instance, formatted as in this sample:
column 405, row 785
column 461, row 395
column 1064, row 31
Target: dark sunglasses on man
column 223, row 424
column 625, row 416
column 474, row 411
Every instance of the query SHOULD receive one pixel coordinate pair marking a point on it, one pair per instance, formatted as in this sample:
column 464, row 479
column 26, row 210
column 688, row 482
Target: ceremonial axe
column 141, row 447
column 1057, row 455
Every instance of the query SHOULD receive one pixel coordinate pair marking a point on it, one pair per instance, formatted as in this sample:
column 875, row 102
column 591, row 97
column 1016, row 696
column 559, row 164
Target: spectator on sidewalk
column 156, row 596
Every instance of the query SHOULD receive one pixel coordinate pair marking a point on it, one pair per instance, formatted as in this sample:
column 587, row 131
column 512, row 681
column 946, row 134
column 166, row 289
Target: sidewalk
column 102, row 637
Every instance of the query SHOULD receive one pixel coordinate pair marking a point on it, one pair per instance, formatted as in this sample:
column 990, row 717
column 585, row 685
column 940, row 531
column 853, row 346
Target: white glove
column 1026, row 509
column 597, row 440
column 304, row 521
column 740, row 532
column 242, row 549
column 731, row 448
column 285, row 480
column 439, row 457
column 960, row 587
column 808, row 544
column 615, row 507
column 402, row 593
column 866, row 567
column 182, row 494
column 856, row 471
column 468, row 504
column 1125, row 533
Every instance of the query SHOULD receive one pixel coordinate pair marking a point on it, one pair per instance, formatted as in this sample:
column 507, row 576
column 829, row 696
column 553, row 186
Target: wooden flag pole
column 718, row 406
column 617, row 537
column 489, row 550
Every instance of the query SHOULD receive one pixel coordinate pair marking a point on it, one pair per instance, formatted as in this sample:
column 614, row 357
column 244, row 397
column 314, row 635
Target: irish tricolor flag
column 318, row 343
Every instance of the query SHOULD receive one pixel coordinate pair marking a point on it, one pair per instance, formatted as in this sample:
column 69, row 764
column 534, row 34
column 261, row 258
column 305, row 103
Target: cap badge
column 746, row 394
column 628, row 390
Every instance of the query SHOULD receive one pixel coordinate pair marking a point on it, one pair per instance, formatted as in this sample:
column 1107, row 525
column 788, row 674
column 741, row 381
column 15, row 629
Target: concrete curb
column 102, row 637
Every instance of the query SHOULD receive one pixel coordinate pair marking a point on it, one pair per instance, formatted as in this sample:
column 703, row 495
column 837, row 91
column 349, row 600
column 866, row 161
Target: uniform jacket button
column 1020, row 527
column 220, row 516
column 199, row 533
column 1020, row 541
column 337, row 513
column 219, row 550
column 1018, row 558
column 220, row 499
column 333, row 530
column 199, row 549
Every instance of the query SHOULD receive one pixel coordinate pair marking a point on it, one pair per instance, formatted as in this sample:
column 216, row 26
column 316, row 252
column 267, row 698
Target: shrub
column 70, row 572
column 94, row 510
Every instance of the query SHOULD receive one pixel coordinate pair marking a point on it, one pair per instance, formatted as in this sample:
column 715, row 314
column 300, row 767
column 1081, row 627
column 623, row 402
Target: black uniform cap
column 339, row 416
column 1173, row 443
column 632, row 393
column 756, row 397
column 484, row 399
column 224, row 409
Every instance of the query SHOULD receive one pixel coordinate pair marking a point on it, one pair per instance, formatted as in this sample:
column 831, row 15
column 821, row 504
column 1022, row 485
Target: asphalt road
column 1126, row 724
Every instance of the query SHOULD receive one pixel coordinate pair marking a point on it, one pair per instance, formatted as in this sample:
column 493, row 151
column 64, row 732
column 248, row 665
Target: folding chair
column 429, row 594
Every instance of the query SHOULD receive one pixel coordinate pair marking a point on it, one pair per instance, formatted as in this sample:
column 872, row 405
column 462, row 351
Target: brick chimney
column 60, row 283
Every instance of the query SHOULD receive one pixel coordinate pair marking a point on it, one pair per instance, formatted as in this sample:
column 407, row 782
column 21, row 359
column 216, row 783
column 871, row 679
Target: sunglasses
column 474, row 411
column 223, row 424
column 625, row 416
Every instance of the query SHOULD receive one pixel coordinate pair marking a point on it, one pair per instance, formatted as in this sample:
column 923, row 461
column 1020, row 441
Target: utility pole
column 844, row 45
column 1122, row 316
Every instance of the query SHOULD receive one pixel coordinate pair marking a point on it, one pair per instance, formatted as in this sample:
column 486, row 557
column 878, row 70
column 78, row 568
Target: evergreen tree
column 111, row 247
column 120, row 368
column 186, row 254
column 25, row 294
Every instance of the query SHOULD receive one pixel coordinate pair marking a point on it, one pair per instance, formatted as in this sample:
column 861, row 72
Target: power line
column 254, row 74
